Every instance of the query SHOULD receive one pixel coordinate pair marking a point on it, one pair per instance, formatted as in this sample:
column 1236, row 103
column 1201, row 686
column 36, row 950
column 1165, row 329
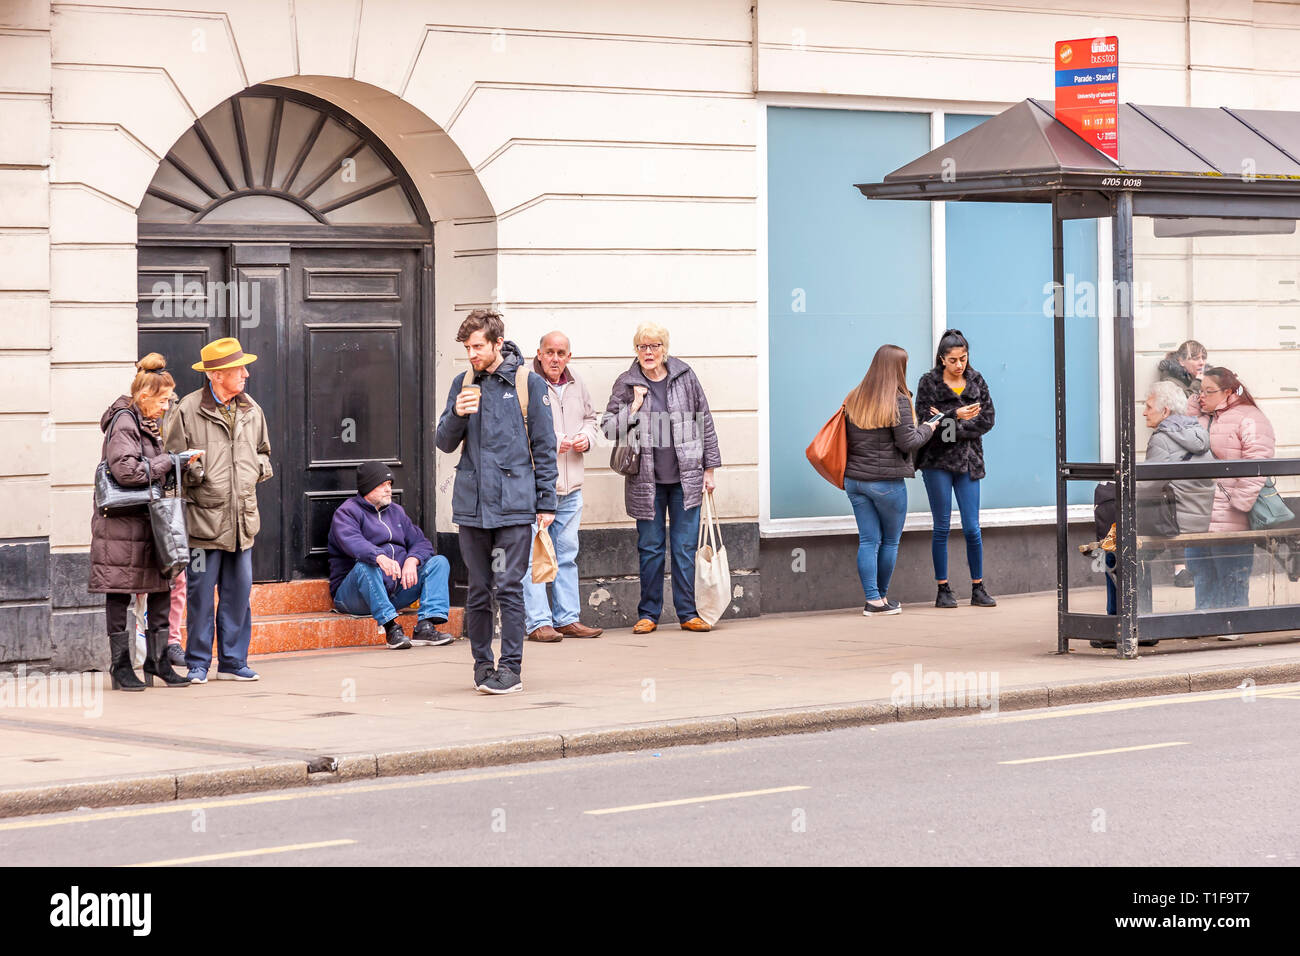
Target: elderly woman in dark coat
column 122, row 560
column 661, row 400
column 952, row 461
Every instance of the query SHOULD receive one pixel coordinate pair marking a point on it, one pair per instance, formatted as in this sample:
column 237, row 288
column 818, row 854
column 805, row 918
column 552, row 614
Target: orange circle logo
column 1066, row 54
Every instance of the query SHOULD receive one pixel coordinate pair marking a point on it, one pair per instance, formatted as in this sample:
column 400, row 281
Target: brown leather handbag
column 829, row 451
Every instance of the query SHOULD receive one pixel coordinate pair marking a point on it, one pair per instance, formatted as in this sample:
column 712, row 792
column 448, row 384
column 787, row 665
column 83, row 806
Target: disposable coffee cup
column 476, row 392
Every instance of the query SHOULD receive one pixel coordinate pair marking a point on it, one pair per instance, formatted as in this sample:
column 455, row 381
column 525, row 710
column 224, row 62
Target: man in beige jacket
column 221, row 508
column 575, row 433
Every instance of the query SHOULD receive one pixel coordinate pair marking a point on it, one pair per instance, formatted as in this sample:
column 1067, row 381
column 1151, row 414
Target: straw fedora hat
column 223, row 353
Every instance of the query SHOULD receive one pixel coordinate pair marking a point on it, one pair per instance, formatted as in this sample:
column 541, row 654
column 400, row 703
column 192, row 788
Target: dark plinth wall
column 48, row 619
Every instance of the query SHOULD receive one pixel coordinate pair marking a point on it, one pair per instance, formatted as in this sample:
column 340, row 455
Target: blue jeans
column 939, row 488
column 880, row 508
column 1143, row 584
column 227, row 575
column 564, row 536
column 683, row 534
column 365, row 591
column 1222, row 574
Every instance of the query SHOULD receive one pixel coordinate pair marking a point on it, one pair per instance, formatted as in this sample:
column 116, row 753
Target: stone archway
column 284, row 219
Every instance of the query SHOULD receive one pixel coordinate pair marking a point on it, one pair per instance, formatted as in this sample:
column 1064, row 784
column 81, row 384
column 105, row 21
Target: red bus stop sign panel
column 1087, row 90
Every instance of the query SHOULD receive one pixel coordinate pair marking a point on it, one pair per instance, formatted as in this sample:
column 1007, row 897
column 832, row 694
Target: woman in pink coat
column 1238, row 429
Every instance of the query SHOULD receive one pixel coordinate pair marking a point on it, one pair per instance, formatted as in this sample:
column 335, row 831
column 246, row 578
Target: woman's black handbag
column 171, row 537
column 112, row 499
column 1157, row 515
column 625, row 459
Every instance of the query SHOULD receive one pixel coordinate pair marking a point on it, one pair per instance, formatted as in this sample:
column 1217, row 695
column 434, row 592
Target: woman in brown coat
column 122, row 560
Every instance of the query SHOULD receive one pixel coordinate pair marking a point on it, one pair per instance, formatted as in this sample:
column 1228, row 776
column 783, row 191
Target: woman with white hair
column 1176, row 437
column 1180, row 437
column 662, row 402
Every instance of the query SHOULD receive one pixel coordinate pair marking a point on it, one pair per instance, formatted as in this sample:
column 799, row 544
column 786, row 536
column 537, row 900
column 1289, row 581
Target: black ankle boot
column 119, row 670
column 945, row 598
column 157, row 663
column 980, row 597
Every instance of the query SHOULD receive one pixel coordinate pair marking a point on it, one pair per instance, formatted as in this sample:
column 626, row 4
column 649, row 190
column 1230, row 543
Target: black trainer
column 945, row 597
column 397, row 639
column 482, row 671
column 504, row 681
column 426, row 634
column 1184, row 579
column 870, row 610
column 980, row 597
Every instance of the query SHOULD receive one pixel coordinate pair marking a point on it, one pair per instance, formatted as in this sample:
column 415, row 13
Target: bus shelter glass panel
column 1215, row 332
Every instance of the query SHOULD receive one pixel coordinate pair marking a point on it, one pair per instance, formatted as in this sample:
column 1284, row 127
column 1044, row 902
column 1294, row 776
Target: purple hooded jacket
column 361, row 532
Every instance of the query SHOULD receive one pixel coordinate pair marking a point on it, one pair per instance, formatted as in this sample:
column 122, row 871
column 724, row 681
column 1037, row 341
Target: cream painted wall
column 589, row 166
column 25, row 386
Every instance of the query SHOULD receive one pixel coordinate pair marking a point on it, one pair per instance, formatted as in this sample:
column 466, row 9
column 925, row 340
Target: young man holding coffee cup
column 505, row 481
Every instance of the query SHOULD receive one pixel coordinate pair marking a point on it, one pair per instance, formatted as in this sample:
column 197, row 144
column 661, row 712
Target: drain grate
column 333, row 713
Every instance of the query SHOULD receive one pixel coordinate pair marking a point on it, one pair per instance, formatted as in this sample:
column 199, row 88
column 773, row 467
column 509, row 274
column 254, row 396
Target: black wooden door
column 186, row 298
column 339, row 371
column 355, row 385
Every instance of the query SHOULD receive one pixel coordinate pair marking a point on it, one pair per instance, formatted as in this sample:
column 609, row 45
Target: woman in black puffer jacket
column 952, row 462
column 882, row 435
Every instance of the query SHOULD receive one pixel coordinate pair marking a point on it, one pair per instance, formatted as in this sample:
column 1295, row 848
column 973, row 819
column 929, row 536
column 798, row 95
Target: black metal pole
column 1125, row 480
column 1062, row 486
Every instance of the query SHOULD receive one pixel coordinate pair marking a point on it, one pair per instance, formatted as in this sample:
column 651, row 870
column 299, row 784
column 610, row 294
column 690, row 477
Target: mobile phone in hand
column 934, row 419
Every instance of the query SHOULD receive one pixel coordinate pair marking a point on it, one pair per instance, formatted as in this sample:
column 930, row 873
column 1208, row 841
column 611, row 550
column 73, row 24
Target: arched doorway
column 280, row 219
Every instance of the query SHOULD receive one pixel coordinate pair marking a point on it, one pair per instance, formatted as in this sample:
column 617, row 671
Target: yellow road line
column 264, row 851
column 688, row 800
column 1197, row 697
column 1096, row 753
column 342, row 790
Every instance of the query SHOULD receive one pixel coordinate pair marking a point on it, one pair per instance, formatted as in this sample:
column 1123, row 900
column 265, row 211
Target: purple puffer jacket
column 694, row 436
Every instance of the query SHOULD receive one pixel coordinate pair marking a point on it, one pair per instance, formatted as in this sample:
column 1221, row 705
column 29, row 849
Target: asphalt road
column 1208, row 779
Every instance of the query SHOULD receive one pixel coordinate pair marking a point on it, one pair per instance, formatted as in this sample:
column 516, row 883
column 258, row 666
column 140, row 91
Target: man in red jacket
column 380, row 561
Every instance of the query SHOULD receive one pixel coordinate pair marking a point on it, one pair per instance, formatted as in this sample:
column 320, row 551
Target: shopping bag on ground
column 712, row 576
column 544, row 565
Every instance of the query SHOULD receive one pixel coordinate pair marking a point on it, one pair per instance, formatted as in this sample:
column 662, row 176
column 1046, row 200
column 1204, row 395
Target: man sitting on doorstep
column 380, row 562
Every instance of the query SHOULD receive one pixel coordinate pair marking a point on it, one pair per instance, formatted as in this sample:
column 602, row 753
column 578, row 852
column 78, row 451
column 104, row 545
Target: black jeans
column 496, row 558
column 116, row 606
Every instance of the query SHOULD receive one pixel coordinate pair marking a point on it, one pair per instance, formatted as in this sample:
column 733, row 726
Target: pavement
column 330, row 716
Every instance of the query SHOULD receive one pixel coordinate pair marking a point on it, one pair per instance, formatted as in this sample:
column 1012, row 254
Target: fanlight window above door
column 267, row 157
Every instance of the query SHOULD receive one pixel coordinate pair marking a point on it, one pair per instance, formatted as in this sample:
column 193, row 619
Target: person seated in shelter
column 380, row 562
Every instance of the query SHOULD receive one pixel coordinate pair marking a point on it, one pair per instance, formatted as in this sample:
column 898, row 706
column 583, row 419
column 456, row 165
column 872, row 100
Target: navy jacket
column 496, row 485
column 361, row 532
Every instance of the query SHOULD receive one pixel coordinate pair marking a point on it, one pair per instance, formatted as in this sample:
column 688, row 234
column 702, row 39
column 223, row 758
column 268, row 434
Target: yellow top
column 958, row 389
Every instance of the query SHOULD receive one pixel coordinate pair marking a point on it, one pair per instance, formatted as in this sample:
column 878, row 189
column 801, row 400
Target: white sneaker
column 1229, row 637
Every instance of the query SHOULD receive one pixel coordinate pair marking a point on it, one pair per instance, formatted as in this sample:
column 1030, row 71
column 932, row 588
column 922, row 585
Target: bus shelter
column 1196, row 172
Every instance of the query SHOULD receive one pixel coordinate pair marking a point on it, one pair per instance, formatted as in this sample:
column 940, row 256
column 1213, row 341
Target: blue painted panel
column 999, row 273
column 845, row 276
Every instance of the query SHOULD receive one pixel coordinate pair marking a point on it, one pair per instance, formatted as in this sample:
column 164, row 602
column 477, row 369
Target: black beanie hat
column 370, row 475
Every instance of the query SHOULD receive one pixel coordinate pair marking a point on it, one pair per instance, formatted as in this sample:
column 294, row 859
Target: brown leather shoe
column 546, row 635
column 644, row 626
column 696, row 624
column 578, row 629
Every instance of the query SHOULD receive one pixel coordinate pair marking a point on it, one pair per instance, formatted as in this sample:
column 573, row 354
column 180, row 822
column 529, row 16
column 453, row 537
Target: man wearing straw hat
column 221, row 508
